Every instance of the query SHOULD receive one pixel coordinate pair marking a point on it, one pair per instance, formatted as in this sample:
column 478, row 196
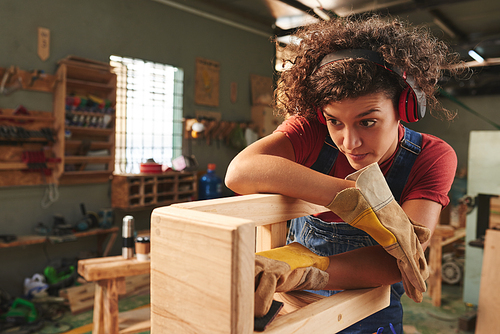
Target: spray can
column 128, row 237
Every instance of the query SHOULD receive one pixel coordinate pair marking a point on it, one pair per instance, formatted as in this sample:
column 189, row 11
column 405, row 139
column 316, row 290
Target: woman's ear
column 321, row 117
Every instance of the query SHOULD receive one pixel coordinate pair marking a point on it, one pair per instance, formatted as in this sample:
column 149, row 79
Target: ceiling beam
column 300, row 6
column 448, row 27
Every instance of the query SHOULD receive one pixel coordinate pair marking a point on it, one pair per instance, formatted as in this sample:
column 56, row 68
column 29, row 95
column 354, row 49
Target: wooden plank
column 202, row 280
column 111, row 267
column 38, row 239
column 489, row 291
column 80, row 298
column 24, row 241
column 135, row 321
column 459, row 234
column 78, row 159
column 271, row 236
column 261, row 209
column 435, row 267
column 332, row 314
column 295, row 300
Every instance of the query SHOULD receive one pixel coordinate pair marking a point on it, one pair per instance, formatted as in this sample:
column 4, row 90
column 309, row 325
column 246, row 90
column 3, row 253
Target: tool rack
column 72, row 152
column 27, row 137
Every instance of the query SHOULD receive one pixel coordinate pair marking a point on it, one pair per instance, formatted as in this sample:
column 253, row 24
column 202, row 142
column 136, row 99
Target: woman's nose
column 351, row 140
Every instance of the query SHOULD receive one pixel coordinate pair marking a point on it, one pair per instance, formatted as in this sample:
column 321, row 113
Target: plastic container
column 210, row 185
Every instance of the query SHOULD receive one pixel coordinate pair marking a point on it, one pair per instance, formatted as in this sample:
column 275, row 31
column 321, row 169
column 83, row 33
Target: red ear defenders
column 412, row 103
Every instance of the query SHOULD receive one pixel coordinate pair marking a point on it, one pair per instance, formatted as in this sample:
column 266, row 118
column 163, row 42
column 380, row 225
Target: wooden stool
column 109, row 275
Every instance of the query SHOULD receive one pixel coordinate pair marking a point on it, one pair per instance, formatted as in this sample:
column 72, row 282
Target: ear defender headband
column 412, row 102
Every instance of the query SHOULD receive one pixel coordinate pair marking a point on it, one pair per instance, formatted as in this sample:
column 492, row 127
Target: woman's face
column 365, row 129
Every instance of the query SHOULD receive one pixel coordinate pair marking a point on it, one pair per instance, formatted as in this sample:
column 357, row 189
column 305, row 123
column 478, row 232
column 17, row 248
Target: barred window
column 148, row 113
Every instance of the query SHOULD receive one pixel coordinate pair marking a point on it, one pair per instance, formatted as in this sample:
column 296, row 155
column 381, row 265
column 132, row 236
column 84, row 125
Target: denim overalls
column 330, row 238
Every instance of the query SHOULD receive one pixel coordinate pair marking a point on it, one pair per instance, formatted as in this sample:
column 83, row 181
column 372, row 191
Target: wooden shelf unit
column 13, row 170
column 88, row 153
column 142, row 190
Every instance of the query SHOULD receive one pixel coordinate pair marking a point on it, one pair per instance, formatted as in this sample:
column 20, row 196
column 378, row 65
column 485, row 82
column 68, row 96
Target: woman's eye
column 367, row 123
column 333, row 121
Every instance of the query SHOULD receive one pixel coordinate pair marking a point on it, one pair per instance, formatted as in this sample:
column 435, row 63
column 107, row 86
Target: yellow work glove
column 287, row 268
column 371, row 207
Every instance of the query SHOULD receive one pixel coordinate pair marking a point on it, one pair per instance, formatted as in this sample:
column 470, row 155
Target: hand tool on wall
column 7, row 88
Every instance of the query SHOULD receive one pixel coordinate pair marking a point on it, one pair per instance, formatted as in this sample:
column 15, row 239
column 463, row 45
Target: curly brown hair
column 302, row 87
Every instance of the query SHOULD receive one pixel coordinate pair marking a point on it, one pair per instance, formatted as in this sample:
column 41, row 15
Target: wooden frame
column 202, row 270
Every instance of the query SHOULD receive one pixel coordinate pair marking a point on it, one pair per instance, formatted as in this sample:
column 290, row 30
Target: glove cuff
column 371, row 182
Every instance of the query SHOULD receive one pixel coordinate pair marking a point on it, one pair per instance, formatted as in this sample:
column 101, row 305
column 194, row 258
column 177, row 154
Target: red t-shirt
column 430, row 178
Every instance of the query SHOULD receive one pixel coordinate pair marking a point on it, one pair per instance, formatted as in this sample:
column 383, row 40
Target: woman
column 349, row 85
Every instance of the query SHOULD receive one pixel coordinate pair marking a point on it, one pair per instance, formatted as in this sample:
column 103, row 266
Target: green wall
column 456, row 132
column 96, row 29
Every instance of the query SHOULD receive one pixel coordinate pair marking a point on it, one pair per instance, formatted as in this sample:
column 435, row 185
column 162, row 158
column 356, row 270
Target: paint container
column 142, row 248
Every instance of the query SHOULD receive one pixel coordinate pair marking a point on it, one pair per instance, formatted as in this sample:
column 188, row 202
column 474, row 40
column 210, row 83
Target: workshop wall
column 456, row 132
column 96, row 29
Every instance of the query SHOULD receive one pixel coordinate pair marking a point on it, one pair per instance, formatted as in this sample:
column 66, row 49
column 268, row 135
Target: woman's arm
column 268, row 166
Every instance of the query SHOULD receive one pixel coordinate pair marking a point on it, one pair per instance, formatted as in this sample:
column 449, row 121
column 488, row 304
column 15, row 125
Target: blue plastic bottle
column 210, row 185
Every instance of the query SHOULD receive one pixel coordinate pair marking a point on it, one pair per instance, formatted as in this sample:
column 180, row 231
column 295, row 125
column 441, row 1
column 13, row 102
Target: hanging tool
column 8, row 75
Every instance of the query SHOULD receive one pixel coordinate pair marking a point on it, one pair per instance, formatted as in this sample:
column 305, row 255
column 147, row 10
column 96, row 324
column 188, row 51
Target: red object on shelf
column 151, row 167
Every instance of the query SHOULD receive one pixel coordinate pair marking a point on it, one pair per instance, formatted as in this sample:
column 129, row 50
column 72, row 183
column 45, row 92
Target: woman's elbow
column 233, row 178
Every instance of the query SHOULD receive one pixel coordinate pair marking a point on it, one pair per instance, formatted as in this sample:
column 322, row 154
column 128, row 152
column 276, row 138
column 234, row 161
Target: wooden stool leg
column 110, row 306
column 98, row 327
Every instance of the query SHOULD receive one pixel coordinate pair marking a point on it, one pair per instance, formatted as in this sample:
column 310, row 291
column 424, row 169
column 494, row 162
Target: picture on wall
column 207, row 82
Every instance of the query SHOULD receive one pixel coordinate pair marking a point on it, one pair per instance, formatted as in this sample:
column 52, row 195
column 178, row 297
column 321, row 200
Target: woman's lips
column 356, row 157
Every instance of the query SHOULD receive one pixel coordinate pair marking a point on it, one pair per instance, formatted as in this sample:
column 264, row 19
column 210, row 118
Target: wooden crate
column 81, row 298
column 142, row 190
column 203, row 262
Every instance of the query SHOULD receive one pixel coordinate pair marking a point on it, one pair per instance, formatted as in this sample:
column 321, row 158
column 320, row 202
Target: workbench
column 109, row 274
column 442, row 236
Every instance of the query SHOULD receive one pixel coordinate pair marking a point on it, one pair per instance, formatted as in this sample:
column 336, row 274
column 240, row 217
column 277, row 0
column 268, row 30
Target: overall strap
column 398, row 174
column 326, row 158
column 409, row 149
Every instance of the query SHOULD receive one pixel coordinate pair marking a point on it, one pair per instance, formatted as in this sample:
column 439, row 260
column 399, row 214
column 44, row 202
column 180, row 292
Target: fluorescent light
column 321, row 13
column 476, row 56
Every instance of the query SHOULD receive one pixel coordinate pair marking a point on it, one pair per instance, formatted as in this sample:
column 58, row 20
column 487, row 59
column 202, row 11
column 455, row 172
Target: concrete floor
column 419, row 318
column 423, row 318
